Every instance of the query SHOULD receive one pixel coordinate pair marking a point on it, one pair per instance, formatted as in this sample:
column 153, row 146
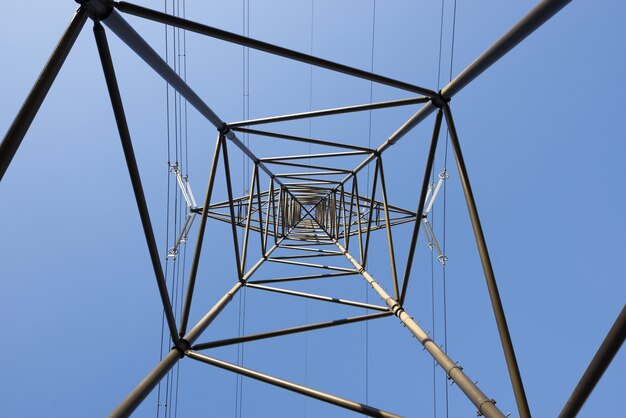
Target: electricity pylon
column 314, row 215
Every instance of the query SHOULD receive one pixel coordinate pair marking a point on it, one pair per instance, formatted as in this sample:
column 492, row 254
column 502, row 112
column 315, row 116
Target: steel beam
column 308, row 277
column 540, row 14
column 196, row 255
column 321, row 155
column 392, row 256
column 328, row 112
column 288, row 331
column 133, row 171
column 420, row 204
column 246, row 234
column 132, row 401
column 319, row 297
column 490, row 278
column 29, row 109
column 608, row 349
column 139, row 393
column 266, row 47
column 294, row 387
column 301, row 139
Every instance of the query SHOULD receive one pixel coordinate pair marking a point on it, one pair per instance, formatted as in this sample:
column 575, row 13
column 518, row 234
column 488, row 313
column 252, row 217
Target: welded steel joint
column 97, row 9
column 182, row 346
column 439, row 100
column 226, row 131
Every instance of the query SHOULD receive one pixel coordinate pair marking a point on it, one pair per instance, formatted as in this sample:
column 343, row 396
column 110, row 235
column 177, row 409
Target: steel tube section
column 301, row 139
column 196, row 255
column 323, row 155
column 266, row 47
column 309, row 277
column 328, row 112
column 29, row 109
column 533, row 20
column 132, row 401
column 260, row 211
column 494, row 295
column 302, row 264
column 370, row 214
column 135, row 42
column 143, row 389
column 231, row 208
column 294, row 387
column 601, row 360
column 349, row 230
column 421, row 203
column 133, row 171
column 355, row 184
column 312, row 173
column 288, row 331
column 319, row 297
column 486, row 406
column 343, row 214
column 315, row 179
column 270, row 198
column 288, row 257
column 308, row 182
column 317, row 167
column 392, row 256
column 244, row 249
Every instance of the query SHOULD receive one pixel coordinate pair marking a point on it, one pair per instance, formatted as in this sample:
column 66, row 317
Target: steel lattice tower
column 302, row 218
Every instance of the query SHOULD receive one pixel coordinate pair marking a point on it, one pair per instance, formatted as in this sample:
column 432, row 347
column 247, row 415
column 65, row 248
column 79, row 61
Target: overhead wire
column 176, row 209
column 432, row 221
column 445, row 198
column 369, row 145
column 309, row 150
column 179, row 281
column 167, row 206
column 444, row 231
column 245, row 166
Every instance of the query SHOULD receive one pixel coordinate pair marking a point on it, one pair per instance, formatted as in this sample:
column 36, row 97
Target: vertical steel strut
column 494, row 294
column 133, row 171
column 29, row 109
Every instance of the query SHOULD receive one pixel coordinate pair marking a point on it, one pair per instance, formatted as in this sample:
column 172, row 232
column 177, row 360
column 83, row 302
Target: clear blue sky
column 545, row 148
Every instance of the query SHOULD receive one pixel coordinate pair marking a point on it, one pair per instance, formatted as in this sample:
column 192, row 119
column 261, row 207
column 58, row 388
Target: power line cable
column 369, row 145
column 445, row 198
column 168, row 203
